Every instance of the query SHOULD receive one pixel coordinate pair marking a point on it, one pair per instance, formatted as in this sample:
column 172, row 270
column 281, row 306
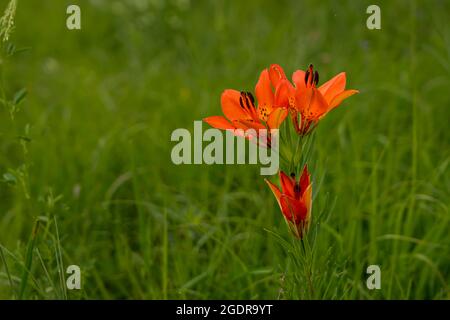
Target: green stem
column 297, row 146
column 308, row 270
column 28, row 260
column 2, row 255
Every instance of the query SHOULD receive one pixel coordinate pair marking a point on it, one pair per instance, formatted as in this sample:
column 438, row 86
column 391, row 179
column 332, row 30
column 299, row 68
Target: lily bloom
column 295, row 200
column 308, row 101
column 240, row 112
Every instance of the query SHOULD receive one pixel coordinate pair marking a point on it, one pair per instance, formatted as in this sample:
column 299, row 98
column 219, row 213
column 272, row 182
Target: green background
column 96, row 124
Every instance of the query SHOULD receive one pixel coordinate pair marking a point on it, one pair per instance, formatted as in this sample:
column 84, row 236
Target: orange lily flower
column 240, row 111
column 310, row 102
column 295, row 200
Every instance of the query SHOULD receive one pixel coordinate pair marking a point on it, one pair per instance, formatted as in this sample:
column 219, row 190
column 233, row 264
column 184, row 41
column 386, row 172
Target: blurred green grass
column 103, row 101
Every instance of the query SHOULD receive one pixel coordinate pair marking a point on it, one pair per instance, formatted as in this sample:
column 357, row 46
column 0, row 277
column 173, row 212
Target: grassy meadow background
column 87, row 154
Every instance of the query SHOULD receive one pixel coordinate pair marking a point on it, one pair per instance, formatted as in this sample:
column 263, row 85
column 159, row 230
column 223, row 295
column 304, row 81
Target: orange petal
column 276, row 192
column 251, row 124
column 341, row 97
column 312, row 104
column 287, row 184
column 298, row 78
column 219, row 122
column 295, row 119
column 307, row 201
column 294, row 210
column 276, row 118
column 333, row 87
column 284, row 94
column 248, row 126
column 264, row 93
column 276, row 73
column 231, row 107
column 239, row 129
column 304, row 179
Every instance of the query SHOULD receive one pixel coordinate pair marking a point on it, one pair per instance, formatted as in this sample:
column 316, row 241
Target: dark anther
column 316, row 78
column 241, row 102
column 293, row 175
column 306, row 76
column 247, row 101
column 252, row 99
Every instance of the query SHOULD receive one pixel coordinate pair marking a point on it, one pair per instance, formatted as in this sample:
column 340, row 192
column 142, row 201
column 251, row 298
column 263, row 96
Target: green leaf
column 9, row 178
column 23, row 138
column 20, row 50
column 10, row 49
column 19, row 96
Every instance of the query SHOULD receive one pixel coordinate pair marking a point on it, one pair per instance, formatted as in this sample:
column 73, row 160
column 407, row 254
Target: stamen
column 311, row 71
column 293, row 175
column 309, row 75
column 316, row 78
column 252, row 99
column 247, row 101
column 241, row 102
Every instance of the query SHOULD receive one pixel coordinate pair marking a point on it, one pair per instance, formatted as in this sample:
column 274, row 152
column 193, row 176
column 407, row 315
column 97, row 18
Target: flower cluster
column 306, row 103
